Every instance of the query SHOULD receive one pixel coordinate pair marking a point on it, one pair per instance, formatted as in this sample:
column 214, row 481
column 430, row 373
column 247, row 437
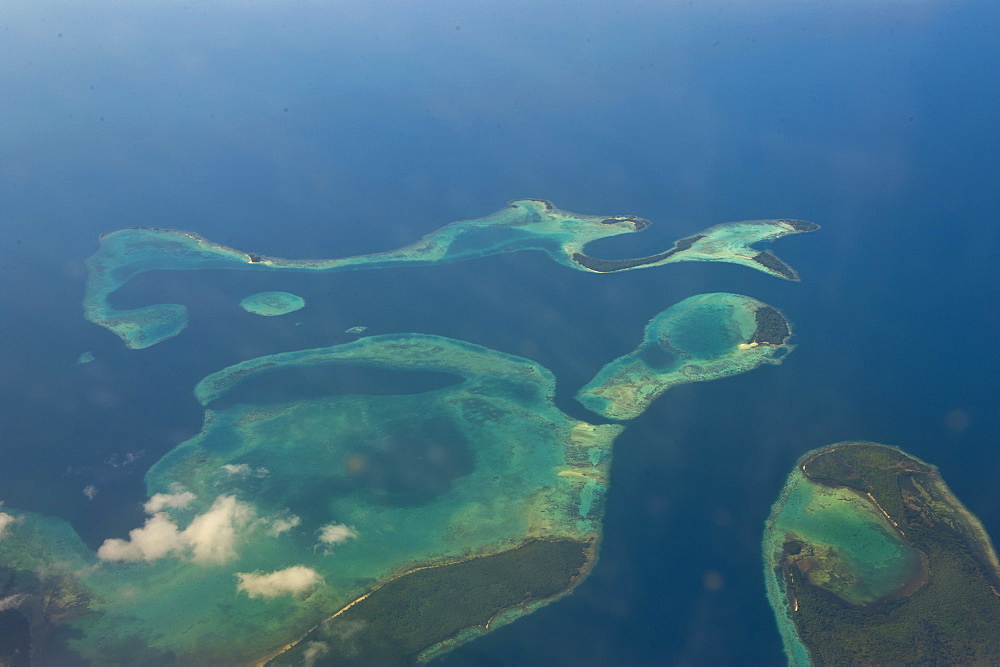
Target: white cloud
column 282, row 524
column 210, row 537
column 336, row 533
column 341, row 629
column 244, row 470
column 12, row 601
column 160, row 501
column 5, row 522
column 157, row 538
column 122, row 460
column 297, row 580
column 90, row 491
column 312, row 651
column 213, row 535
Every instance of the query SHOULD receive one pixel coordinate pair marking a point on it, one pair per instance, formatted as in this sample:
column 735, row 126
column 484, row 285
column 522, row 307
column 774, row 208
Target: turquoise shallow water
column 313, row 504
column 698, row 335
column 872, row 550
column 872, row 120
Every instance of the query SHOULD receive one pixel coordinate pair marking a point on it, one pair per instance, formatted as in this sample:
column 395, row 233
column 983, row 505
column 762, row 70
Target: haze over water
column 325, row 131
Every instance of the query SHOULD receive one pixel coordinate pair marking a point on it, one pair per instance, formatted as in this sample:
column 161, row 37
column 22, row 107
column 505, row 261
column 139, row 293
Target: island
column 869, row 558
column 270, row 304
column 525, row 224
column 480, row 502
column 379, row 529
column 703, row 337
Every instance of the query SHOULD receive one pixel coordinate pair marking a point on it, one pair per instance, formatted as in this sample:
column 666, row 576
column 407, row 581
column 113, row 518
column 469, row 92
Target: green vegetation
column 425, row 518
column 868, row 468
column 774, row 265
column 613, row 265
column 417, row 611
column 952, row 618
column 772, row 327
column 279, row 514
column 525, row 224
column 703, row 337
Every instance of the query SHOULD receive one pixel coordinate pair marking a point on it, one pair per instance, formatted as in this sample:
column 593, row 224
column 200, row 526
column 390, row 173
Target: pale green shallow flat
column 704, row 337
column 413, row 523
column 271, row 304
column 869, row 558
column 377, row 528
column 531, row 474
column 525, row 224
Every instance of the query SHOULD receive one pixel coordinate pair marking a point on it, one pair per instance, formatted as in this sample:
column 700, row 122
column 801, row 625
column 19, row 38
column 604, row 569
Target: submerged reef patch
column 270, row 304
column 704, row 337
column 525, row 224
column 380, row 527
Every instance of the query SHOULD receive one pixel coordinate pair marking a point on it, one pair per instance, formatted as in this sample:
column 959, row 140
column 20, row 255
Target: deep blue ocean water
column 305, row 129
